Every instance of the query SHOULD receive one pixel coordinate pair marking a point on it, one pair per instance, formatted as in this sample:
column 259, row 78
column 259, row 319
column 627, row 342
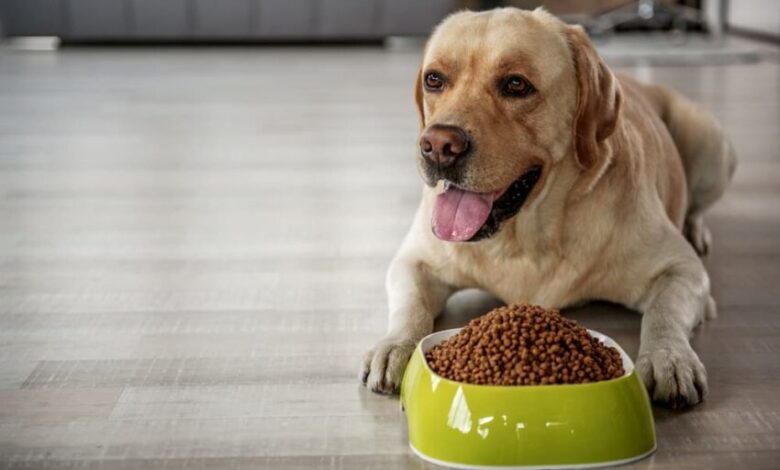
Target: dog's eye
column 516, row 86
column 433, row 81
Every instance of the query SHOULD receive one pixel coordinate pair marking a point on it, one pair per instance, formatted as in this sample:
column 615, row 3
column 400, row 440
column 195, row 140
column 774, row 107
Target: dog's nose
column 442, row 145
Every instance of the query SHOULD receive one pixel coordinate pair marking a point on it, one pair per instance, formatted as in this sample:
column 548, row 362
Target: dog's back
column 707, row 155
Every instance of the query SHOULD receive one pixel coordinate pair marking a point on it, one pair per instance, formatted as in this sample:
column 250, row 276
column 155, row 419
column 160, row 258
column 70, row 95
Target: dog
column 550, row 180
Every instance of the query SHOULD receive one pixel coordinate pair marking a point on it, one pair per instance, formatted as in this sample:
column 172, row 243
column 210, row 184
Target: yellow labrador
column 552, row 181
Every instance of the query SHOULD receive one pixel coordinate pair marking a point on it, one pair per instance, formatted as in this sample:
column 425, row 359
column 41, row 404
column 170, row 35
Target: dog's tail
column 707, row 155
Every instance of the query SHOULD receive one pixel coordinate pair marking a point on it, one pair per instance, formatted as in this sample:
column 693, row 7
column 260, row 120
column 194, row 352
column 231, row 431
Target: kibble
column 524, row 345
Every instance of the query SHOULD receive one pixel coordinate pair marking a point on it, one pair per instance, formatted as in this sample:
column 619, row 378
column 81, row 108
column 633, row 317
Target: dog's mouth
column 460, row 215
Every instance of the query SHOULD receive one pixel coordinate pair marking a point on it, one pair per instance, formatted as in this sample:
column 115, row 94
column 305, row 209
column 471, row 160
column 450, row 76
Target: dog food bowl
column 529, row 426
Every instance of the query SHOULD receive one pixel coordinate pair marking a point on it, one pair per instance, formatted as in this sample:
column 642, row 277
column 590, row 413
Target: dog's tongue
column 458, row 214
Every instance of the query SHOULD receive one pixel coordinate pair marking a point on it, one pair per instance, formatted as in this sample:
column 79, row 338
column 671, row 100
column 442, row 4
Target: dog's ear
column 418, row 98
column 599, row 98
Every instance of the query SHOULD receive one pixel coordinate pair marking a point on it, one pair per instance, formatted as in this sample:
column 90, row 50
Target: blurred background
column 199, row 200
column 350, row 20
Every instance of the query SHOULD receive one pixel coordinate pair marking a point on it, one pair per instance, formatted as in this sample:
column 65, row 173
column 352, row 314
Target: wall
column 755, row 16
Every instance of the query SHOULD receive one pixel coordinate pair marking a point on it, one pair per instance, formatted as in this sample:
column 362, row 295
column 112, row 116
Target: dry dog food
column 524, row 345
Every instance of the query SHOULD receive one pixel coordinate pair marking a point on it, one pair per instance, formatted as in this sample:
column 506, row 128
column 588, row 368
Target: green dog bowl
column 531, row 426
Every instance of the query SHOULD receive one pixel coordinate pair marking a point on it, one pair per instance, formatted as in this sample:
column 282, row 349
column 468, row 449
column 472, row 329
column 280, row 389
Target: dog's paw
column 383, row 366
column 673, row 376
column 698, row 235
column 711, row 310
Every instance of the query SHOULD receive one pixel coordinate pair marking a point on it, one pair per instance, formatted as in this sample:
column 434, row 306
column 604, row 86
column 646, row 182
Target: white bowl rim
column 608, row 463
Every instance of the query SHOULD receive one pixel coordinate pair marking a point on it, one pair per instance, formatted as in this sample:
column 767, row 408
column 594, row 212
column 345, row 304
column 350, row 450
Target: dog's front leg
column 677, row 302
column 415, row 298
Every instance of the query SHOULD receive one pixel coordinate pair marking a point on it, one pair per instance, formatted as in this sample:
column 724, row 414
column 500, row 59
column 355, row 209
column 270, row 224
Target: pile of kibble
column 524, row 345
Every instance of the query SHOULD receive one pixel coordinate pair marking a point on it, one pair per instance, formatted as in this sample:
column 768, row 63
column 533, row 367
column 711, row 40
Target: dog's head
column 503, row 96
